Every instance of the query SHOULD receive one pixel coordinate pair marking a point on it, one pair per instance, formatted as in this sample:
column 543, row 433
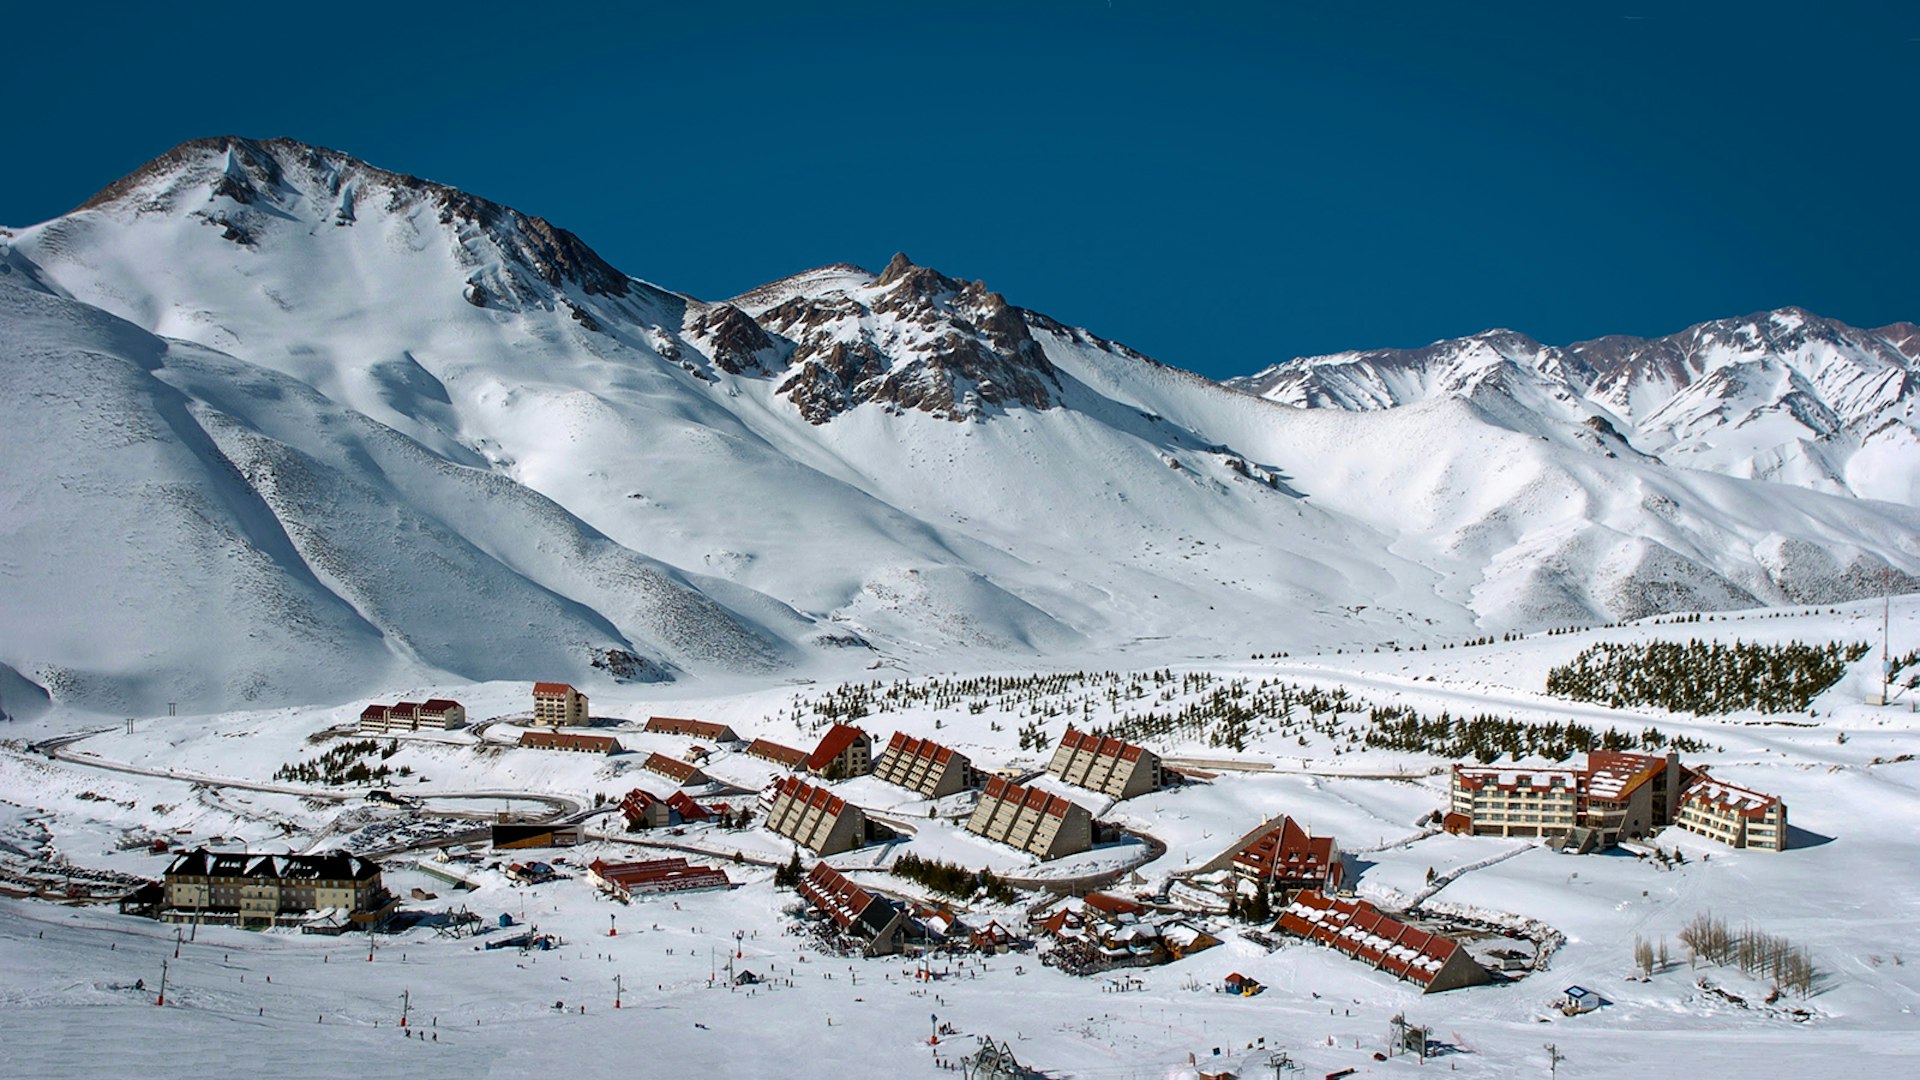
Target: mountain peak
column 265, row 181
column 898, row 267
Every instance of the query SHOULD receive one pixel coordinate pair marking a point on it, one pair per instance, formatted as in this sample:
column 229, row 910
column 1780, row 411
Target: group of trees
column 1257, row 909
column 1228, row 712
column 952, row 879
column 344, row 765
column 1485, row 737
column 1756, row 953
column 1704, row 677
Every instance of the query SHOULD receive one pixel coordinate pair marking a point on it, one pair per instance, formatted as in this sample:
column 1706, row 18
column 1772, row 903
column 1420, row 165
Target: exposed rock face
column 737, row 344
column 911, row 338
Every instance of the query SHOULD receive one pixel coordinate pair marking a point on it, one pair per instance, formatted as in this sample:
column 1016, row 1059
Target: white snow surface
column 1846, row 891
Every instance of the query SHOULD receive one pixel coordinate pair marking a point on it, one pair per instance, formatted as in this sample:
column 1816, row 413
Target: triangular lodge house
column 1286, row 859
column 815, row 818
column 1110, row 766
column 876, row 924
column 925, row 766
column 1035, row 821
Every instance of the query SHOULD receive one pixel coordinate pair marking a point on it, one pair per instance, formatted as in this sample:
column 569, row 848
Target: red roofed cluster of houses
column 873, row 923
column 1035, row 821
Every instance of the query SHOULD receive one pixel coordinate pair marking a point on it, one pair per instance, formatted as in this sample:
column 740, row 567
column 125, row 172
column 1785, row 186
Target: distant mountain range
column 1784, row 396
column 281, row 426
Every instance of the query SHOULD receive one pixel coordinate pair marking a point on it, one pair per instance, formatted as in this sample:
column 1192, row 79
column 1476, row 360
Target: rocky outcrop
column 911, row 339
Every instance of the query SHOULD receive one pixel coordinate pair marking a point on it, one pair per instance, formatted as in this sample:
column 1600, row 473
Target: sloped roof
column 773, row 751
column 702, row 729
column 851, row 907
column 792, row 787
column 907, row 745
column 438, row 705
column 335, row 865
column 833, row 744
column 1101, row 746
column 1728, row 798
column 567, row 740
column 1362, row 931
column 553, row 688
column 1286, row 851
column 1003, row 790
column 673, row 768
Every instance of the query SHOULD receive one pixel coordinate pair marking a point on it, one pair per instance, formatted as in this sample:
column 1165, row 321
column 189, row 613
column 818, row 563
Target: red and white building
column 1035, row 821
column 627, row 880
column 1616, row 796
column 1733, row 815
column 1428, row 960
column 1110, row 766
column 645, row 810
column 925, row 766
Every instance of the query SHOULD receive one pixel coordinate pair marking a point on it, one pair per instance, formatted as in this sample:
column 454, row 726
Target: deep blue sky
column 1221, row 186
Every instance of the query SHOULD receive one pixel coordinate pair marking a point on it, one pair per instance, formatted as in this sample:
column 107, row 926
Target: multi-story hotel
column 242, row 887
column 557, row 703
column 1617, row 796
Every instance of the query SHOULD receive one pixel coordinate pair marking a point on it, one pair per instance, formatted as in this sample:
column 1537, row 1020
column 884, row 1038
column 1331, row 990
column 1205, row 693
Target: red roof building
column 567, row 740
column 844, row 751
column 876, row 924
column 924, row 766
column 557, row 703
column 696, row 729
column 676, row 770
column 784, row 756
column 1110, row 766
column 439, row 714
column 1733, row 815
column 1428, row 960
column 1035, row 821
column 629, row 879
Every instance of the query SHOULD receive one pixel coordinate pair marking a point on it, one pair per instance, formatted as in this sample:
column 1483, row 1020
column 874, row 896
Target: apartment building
column 1734, row 815
column 249, row 888
column 558, row 703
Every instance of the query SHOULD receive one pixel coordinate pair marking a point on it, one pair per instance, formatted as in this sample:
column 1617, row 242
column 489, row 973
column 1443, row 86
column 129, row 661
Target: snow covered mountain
column 1784, row 395
column 281, row 426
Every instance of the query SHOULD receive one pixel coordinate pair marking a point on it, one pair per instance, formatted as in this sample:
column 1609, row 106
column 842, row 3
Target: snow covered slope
column 1782, row 395
column 279, row 425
